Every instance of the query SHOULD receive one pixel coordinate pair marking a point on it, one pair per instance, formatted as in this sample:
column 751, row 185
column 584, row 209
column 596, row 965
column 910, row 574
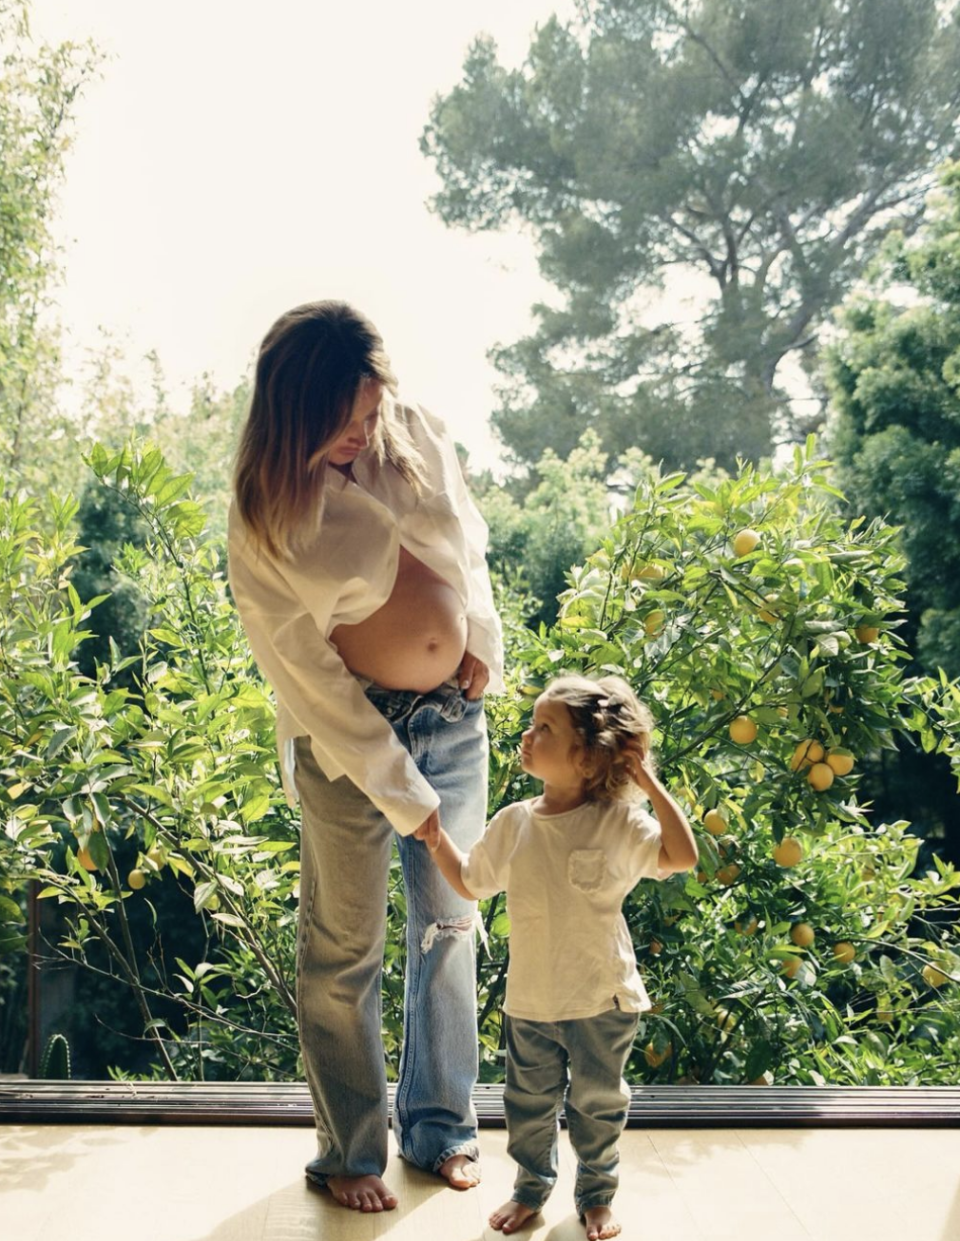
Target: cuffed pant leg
column 345, row 859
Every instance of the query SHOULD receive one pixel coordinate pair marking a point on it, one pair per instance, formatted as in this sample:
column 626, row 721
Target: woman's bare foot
column 460, row 1172
column 511, row 1216
column 600, row 1224
column 362, row 1193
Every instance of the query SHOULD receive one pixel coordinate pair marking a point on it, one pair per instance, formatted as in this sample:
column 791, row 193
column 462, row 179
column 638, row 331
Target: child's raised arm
column 678, row 846
column 445, row 853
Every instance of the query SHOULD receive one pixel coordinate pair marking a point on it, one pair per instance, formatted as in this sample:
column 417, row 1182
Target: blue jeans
column 345, row 856
column 593, row 1051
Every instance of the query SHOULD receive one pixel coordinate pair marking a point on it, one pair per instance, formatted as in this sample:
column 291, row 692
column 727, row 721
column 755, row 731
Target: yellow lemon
column 933, row 977
column 655, row 1058
column 743, row 730
column 653, row 623
column 714, row 822
column 745, row 541
column 788, row 852
column 136, row 879
column 840, row 761
column 768, row 614
column 820, row 776
column 806, row 753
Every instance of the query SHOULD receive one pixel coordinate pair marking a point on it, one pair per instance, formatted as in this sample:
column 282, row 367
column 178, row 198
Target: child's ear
column 584, row 766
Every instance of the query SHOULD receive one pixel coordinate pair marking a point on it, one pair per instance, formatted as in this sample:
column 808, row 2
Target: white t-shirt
column 566, row 877
column 342, row 575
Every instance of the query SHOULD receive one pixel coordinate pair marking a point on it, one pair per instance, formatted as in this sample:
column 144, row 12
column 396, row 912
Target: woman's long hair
column 311, row 369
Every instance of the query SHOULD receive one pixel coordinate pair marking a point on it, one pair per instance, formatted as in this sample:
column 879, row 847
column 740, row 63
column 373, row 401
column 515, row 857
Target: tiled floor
column 168, row 1183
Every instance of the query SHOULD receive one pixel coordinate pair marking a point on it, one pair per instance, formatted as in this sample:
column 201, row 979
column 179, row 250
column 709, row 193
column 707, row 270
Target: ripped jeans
column 346, row 851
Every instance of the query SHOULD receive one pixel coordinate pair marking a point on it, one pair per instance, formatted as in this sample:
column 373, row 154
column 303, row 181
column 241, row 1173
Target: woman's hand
column 429, row 831
column 472, row 676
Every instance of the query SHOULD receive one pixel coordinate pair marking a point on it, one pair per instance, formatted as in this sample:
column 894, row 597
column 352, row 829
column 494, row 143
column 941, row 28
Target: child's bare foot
column 461, row 1172
column 511, row 1216
column 600, row 1224
column 362, row 1193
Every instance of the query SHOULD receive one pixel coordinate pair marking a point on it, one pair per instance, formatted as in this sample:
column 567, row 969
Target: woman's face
column 356, row 434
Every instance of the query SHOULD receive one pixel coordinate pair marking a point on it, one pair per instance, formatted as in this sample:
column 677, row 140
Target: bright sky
column 237, row 157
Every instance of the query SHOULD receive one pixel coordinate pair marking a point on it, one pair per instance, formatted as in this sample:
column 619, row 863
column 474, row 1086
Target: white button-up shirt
column 342, row 575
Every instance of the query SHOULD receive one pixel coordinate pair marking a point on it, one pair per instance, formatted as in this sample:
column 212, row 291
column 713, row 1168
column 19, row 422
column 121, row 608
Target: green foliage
column 123, row 800
column 706, row 636
column 110, row 793
column 894, row 376
column 762, row 148
column 38, row 88
column 562, row 518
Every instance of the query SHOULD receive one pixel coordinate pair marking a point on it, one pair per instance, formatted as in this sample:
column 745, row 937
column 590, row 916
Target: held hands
column 429, row 831
column 472, row 676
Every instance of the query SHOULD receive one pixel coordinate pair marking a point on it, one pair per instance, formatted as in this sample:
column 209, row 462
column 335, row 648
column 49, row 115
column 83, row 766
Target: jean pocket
column 587, row 869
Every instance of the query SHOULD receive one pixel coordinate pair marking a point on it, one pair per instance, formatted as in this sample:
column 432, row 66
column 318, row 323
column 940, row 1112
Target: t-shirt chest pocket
column 587, row 869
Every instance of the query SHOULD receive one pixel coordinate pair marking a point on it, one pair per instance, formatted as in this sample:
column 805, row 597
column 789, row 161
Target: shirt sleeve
column 484, row 631
column 643, row 849
column 348, row 735
column 486, row 868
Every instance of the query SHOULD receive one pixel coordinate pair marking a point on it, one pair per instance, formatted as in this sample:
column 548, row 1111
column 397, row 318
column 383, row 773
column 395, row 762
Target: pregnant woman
column 357, row 566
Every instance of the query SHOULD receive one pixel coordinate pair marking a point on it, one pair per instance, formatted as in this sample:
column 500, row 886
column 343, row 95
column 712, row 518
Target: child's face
column 551, row 749
column 356, row 435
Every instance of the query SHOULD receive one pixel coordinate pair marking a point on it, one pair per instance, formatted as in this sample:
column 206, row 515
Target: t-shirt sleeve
column 643, row 844
column 487, row 866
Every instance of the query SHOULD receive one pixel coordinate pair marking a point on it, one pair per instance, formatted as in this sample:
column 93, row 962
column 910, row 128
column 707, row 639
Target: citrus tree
column 761, row 629
column 143, row 798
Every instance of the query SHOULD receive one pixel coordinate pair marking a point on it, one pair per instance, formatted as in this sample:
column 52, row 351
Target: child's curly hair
column 606, row 714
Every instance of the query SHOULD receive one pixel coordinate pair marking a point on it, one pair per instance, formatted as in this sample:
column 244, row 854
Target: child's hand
column 429, row 831
column 635, row 760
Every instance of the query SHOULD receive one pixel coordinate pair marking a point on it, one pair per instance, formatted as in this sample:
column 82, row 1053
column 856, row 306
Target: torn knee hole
column 447, row 928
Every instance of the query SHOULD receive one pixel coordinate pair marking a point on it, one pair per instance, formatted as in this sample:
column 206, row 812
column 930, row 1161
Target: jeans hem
column 593, row 1200
column 316, row 1178
column 470, row 1149
column 528, row 1200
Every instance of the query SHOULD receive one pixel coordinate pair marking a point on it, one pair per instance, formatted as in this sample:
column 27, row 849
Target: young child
column 567, row 860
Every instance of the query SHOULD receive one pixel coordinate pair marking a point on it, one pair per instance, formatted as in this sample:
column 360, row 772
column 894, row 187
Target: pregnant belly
column 416, row 640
